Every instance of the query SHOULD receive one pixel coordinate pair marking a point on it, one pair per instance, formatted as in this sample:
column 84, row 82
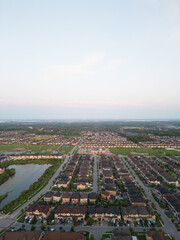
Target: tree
column 145, row 222
column 74, row 221
column 131, row 230
column 91, row 237
column 43, row 227
column 90, row 221
column 33, row 228
column 72, row 229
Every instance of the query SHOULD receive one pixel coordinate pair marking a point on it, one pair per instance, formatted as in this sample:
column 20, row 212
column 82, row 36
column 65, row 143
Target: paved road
column 97, row 231
column 168, row 227
column 95, row 185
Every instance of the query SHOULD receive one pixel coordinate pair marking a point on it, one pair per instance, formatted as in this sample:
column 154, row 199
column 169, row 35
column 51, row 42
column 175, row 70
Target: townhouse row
column 71, row 198
column 82, row 212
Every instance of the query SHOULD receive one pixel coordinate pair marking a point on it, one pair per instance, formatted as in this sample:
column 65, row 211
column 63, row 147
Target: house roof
column 49, row 194
column 22, row 236
column 71, row 209
column 41, row 208
column 121, row 235
column 93, row 195
column 66, row 195
column 156, row 235
column 57, row 235
column 75, row 195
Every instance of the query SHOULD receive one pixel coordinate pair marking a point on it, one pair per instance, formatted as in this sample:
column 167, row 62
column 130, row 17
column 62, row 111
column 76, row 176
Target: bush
column 43, row 227
column 33, row 228
column 90, row 221
column 72, row 229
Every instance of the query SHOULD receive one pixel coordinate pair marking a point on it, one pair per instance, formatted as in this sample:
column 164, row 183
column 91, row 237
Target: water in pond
column 25, row 175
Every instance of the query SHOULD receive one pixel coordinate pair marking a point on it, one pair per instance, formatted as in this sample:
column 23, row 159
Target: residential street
column 97, row 231
column 95, row 185
column 168, row 225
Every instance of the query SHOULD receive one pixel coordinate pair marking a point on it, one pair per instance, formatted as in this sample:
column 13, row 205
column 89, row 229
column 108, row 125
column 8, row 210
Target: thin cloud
column 91, row 65
column 175, row 34
column 176, row 7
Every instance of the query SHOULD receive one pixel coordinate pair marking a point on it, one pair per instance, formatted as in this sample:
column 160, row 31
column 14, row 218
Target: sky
column 90, row 59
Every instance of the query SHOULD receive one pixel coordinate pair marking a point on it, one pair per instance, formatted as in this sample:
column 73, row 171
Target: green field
column 2, row 197
column 149, row 151
column 39, row 137
column 39, row 149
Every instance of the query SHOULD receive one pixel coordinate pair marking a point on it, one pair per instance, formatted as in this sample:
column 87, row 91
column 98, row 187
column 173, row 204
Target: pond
column 25, row 175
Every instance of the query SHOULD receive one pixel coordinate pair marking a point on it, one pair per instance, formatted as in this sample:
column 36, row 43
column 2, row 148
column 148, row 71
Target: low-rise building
column 66, row 197
column 105, row 195
column 48, row 196
column 93, row 197
column 22, row 235
column 156, row 235
column 137, row 213
column 121, row 235
column 75, row 197
column 84, row 198
column 64, row 235
column 67, row 212
column 38, row 211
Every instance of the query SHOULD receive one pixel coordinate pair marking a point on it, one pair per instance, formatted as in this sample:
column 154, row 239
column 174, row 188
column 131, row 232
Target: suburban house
column 48, row 196
column 22, row 235
column 105, row 195
column 67, row 212
column 64, row 235
column 66, row 197
column 83, row 183
column 137, row 213
column 92, row 197
column 84, row 198
column 156, row 235
column 109, row 213
column 57, row 196
column 110, row 188
column 121, row 234
column 40, row 211
column 63, row 182
column 75, row 197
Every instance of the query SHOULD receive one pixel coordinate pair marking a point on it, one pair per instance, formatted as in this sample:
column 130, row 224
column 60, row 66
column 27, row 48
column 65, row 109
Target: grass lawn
column 150, row 151
column 39, row 137
column 34, row 148
column 142, row 237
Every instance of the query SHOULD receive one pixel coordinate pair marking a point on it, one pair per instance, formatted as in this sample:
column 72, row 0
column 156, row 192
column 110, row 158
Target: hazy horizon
column 90, row 59
column 90, row 120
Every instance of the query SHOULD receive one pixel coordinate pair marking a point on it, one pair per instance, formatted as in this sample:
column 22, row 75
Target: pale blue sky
column 89, row 59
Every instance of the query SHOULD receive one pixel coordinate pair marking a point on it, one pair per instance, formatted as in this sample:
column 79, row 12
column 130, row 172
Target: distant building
column 2, row 170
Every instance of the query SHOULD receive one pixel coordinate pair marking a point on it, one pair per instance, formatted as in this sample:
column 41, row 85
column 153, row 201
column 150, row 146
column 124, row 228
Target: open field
column 41, row 137
column 39, row 149
column 149, row 151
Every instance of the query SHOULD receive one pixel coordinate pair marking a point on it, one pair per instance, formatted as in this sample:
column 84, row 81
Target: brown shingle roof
column 22, row 236
column 64, row 236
